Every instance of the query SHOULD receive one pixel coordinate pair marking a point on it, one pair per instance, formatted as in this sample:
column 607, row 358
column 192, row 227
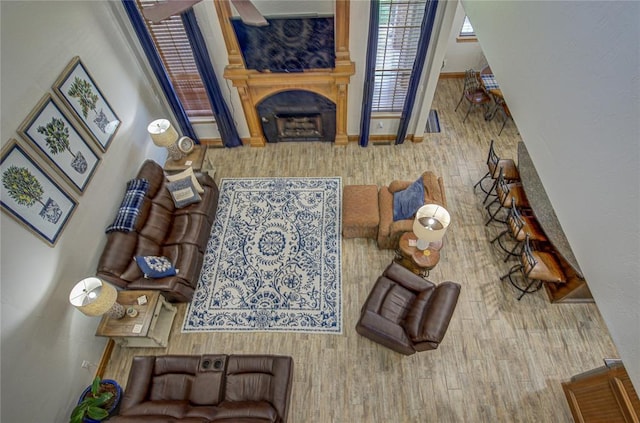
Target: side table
column 150, row 328
column 418, row 261
column 193, row 159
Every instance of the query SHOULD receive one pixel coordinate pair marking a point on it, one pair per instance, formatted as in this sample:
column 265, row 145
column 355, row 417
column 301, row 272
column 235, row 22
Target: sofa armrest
column 444, row 196
column 385, row 332
column 396, row 186
column 139, row 382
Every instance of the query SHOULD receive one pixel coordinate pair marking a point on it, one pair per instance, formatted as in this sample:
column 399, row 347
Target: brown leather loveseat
column 207, row 388
column 161, row 229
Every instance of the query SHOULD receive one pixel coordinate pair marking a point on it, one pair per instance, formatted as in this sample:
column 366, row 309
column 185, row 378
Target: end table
column 149, row 328
column 193, row 159
column 418, row 261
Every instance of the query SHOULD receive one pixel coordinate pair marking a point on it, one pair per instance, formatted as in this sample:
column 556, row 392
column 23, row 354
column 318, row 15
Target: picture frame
column 31, row 197
column 78, row 90
column 55, row 137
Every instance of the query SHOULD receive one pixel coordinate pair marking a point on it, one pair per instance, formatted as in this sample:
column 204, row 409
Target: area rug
column 433, row 123
column 273, row 260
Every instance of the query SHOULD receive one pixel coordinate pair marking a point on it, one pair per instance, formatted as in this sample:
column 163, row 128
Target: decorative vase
column 79, row 163
column 51, row 211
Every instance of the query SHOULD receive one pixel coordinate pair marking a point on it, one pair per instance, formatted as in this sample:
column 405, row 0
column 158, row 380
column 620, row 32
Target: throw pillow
column 407, row 202
column 183, row 192
column 154, row 267
column 129, row 210
column 188, row 172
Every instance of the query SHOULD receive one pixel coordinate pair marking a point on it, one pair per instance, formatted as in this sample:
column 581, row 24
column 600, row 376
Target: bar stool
column 494, row 163
column 536, row 266
column 504, row 193
column 519, row 227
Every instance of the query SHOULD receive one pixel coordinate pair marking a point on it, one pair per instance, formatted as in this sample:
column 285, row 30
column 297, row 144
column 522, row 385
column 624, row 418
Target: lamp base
column 116, row 311
column 422, row 244
column 174, row 152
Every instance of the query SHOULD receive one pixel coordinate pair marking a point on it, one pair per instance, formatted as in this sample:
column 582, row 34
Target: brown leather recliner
column 161, row 229
column 207, row 388
column 390, row 231
column 407, row 313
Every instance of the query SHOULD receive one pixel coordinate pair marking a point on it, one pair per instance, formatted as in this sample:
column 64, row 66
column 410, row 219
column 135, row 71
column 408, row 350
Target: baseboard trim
column 106, row 356
column 451, row 75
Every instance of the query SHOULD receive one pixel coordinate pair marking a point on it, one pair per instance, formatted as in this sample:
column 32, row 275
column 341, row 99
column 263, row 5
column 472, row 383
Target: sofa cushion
column 158, row 224
column 183, row 192
column 187, row 173
column 236, row 410
column 189, row 228
column 408, row 201
column 155, row 266
column 166, row 408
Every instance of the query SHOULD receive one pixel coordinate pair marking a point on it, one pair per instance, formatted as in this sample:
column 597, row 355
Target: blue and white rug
column 273, row 259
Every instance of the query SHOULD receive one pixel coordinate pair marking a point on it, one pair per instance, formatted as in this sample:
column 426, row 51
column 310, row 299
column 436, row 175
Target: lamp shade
column 93, row 297
column 162, row 133
column 431, row 223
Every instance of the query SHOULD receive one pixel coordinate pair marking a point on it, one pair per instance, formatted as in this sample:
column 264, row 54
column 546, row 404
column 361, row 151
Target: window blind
column 398, row 35
column 172, row 44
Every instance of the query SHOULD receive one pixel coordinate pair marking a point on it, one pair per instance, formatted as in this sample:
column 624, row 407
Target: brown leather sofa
column 181, row 234
column 407, row 313
column 207, row 388
column 389, row 232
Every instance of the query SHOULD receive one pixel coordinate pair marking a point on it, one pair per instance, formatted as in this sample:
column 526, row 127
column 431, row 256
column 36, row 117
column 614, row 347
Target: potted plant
column 97, row 402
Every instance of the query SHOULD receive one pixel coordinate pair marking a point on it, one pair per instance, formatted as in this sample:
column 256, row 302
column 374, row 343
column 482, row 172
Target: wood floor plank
column 501, row 360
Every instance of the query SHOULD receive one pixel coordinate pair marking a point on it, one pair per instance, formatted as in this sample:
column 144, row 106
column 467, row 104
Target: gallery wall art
column 54, row 136
column 81, row 94
column 31, row 196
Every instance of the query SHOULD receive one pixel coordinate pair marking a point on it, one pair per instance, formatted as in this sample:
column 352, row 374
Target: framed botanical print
column 55, row 138
column 32, row 197
column 80, row 93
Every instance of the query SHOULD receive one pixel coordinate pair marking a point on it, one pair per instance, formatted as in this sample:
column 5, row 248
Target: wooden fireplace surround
column 254, row 86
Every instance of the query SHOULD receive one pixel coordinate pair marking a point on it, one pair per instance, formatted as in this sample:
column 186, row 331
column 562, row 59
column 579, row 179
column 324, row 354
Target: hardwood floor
column 500, row 361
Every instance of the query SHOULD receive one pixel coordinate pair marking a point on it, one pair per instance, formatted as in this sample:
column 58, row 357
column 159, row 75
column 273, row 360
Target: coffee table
column 418, row 261
column 149, row 328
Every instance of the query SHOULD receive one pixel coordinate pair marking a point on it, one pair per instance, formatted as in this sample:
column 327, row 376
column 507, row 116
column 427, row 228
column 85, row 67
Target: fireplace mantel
column 254, row 86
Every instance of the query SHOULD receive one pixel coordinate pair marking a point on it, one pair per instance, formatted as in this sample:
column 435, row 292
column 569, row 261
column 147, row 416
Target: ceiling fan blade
column 161, row 11
column 248, row 13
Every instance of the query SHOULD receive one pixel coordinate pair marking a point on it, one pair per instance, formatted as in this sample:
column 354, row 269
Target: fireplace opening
column 299, row 126
column 297, row 115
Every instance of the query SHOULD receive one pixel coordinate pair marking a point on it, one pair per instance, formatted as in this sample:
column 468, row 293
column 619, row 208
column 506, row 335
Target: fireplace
column 297, row 115
column 320, row 81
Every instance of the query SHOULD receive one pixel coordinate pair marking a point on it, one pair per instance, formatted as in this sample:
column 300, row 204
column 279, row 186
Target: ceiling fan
column 164, row 9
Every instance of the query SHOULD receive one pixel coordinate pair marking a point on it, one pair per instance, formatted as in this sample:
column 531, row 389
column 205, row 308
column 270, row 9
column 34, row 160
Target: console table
column 149, row 328
column 576, row 289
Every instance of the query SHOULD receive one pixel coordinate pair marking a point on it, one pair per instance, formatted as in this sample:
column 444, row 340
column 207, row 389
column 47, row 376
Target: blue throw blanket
column 130, row 208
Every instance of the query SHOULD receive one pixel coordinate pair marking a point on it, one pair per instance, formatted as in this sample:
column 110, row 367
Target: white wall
column 45, row 340
column 462, row 56
column 571, row 77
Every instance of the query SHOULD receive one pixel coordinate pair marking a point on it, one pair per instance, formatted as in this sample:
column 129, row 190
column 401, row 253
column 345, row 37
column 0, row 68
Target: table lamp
column 430, row 224
column 163, row 134
column 94, row 297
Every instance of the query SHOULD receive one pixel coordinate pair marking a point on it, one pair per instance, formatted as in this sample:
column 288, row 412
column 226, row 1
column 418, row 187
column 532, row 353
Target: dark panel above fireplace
column 287, row 44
